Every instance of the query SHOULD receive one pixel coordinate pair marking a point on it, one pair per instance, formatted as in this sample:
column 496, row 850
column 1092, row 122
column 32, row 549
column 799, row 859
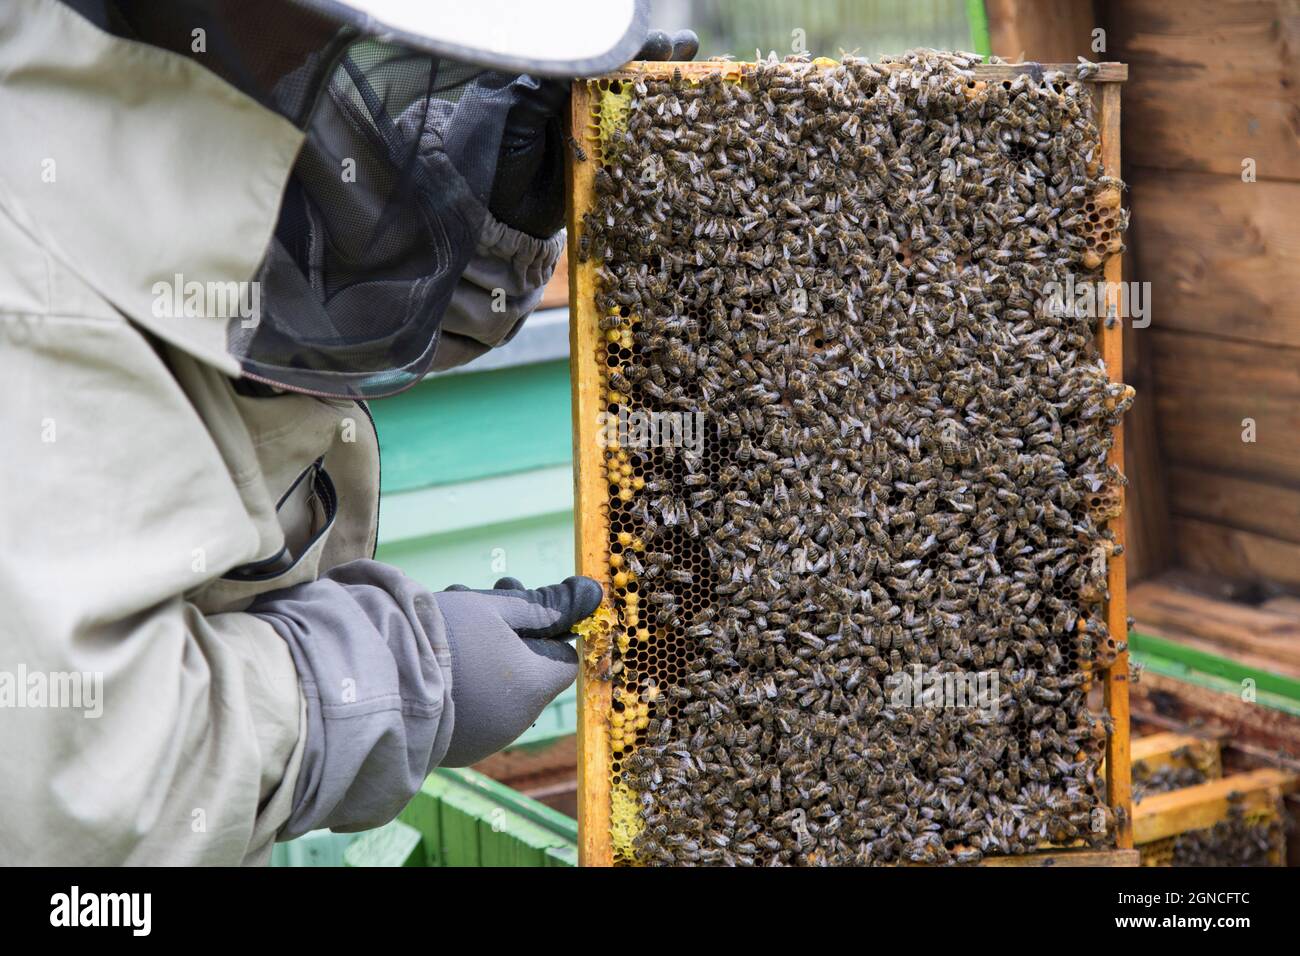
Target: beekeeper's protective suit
column 223, row 226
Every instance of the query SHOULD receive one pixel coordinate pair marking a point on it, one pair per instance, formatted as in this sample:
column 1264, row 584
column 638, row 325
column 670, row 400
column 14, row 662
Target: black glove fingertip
column 658, row 46
column 685, row 45
column 509, row 584
column 587, row 595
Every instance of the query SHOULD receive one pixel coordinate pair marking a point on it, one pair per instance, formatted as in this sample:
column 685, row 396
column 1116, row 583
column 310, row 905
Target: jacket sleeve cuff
column 370, row 647
column 500, row 287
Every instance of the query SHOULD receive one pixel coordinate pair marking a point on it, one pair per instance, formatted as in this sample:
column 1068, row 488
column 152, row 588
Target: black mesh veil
column 387, row 197
column 379, row 220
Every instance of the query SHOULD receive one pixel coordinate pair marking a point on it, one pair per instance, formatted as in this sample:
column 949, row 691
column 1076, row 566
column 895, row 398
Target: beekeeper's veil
column 401, row 104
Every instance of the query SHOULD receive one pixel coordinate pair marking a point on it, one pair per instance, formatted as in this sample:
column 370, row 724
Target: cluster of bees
column 843, row 267
column 1236, row 841
column 1187, row 768
column 1164, row 779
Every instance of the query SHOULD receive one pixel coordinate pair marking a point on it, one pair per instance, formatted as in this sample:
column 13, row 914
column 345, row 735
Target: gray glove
column 509, row 658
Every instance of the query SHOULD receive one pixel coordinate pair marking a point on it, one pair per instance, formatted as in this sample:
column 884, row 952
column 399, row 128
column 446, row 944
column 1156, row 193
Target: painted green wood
column 867, row 27
column 460, row 427
column 536, row 550
column 393, row 844
column 466, row 505
column 562, row 856
column 318, row 848
column 424, row 814
column 1204, row 662
column 978, row 19
column 498, row 794
column 461, row 811
column 485, row 823
column 459, row 817
column 1168, row 668
column 505, row 840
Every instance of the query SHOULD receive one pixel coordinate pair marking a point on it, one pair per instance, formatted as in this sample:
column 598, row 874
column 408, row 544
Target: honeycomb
column 1104, row 214
column 673, row 584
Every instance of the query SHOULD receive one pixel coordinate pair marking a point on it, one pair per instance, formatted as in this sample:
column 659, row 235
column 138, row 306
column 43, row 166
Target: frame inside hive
column 597, row 808
column 1161, row 818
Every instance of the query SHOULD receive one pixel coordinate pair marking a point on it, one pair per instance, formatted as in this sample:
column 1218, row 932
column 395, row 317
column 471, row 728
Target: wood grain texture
column 1168, row 814
column 1219, row 549
column 1148, row 549
column 1148, row 545
column 1068, row 858
column 1263, row 507
column 1245, row 633
column 1244, row 725
column 1222, row 256
column 590, row 508
column 1208, row 386
column 1287, row 605
column 1119, row 783
column 1056, row 30
column 1173, row 749
column 1214, row 81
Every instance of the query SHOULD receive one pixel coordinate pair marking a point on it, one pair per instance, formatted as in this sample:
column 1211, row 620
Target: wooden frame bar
column 1092, row 858
column 988, row 72
column 591, row 509
column 1155, row 751
column 1119, row 783
column 1163, row 815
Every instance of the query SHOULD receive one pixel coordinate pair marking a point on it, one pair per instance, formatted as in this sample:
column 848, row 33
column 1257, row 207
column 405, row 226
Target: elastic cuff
column 532, row 260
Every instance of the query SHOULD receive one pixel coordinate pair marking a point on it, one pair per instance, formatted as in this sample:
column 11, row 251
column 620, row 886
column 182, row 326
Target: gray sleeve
column 371, row 651
column 500, row 287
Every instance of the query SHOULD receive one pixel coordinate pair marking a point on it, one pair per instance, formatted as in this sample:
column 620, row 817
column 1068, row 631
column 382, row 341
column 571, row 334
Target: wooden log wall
column 1214, row 83
column 1061, row 31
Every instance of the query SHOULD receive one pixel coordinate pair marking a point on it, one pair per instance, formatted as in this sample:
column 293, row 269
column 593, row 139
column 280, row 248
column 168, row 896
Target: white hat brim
column 545, row 37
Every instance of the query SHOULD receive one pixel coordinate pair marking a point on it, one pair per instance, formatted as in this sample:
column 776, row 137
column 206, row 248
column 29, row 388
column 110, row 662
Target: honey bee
column 903, row 465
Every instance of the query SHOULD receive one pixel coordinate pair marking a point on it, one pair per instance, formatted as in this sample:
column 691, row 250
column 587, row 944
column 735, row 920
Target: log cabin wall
column 1059, row 31
column 1213, row 522
column 1213, row 85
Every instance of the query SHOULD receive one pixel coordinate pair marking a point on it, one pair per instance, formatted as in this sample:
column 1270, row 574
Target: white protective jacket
column 146, row 715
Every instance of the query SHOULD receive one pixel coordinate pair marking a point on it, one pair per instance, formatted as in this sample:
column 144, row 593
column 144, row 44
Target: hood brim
column 540, row 37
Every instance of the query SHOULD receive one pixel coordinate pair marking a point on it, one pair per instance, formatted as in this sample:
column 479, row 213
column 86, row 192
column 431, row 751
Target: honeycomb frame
column 609, row 717
column 1163, row 852
column 1254, row 798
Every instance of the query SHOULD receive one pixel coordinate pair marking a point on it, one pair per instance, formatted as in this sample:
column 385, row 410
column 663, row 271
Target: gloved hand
column 509, row 658
column 528, row 191
column 681, row 46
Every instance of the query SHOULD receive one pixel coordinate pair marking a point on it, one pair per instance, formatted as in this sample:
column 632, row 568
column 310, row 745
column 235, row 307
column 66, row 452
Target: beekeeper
column 224, row 226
